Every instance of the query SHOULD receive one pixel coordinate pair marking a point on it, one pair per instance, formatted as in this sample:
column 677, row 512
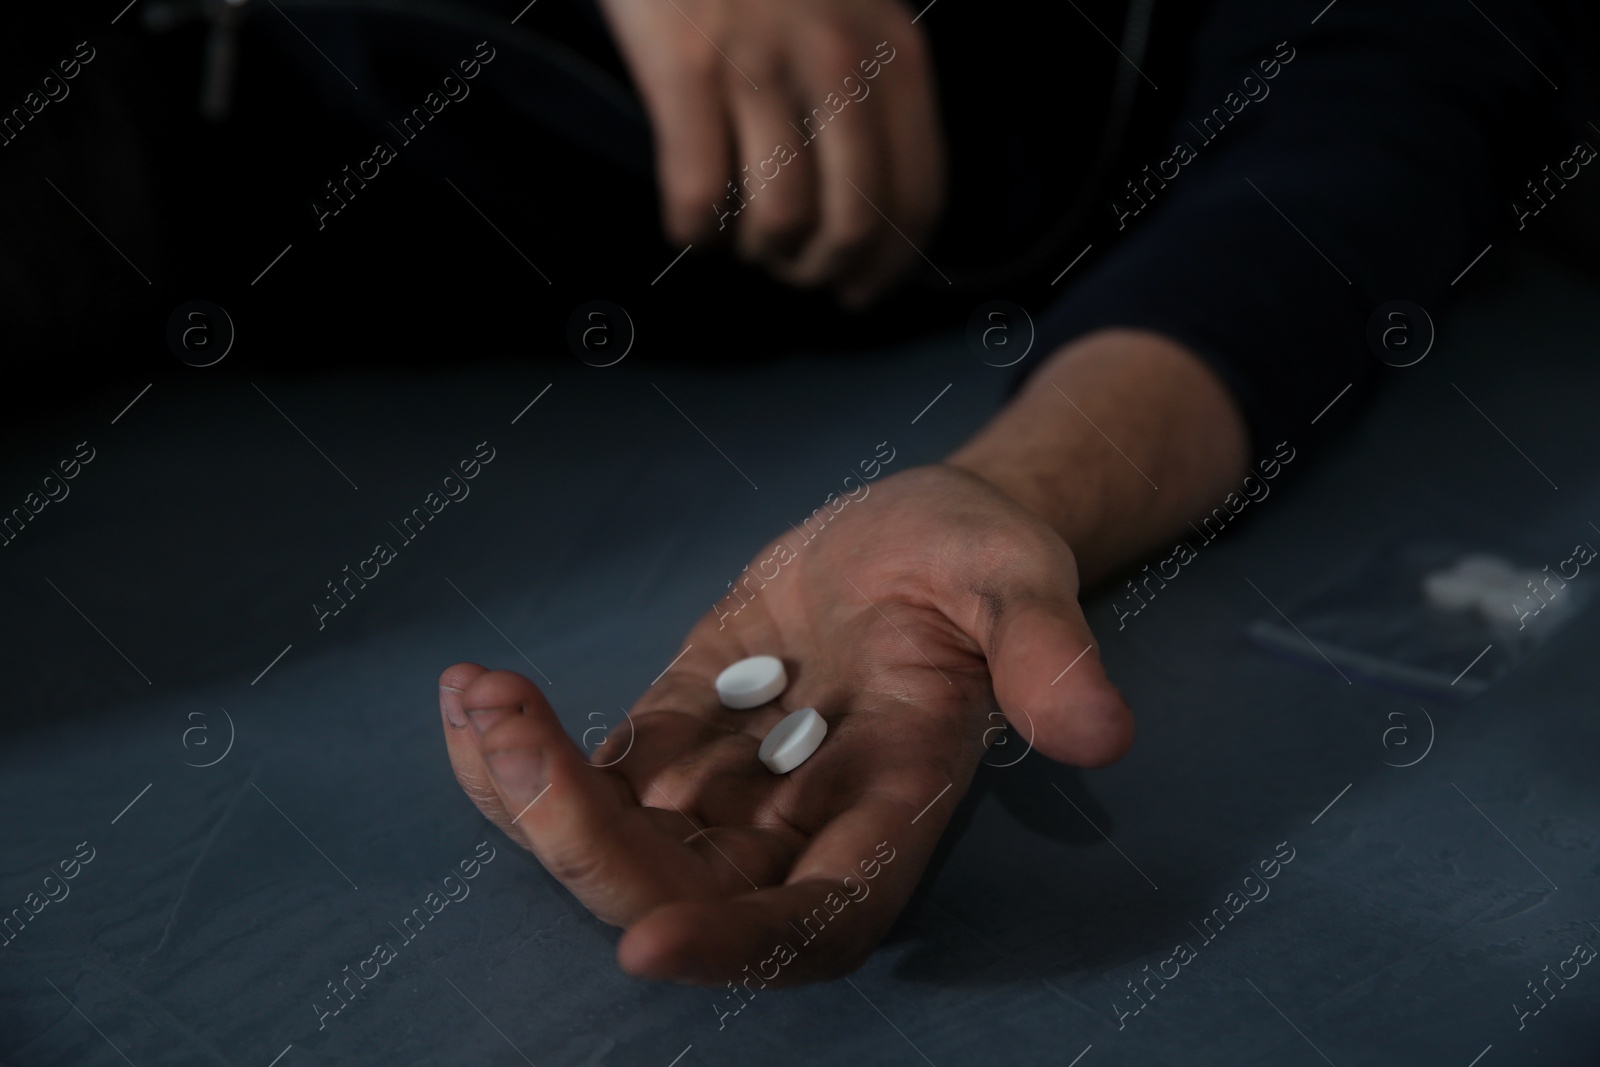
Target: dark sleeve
column 1373, row 164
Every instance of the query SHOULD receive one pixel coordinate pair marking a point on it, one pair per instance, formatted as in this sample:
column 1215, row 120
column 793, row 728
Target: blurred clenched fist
column 806, row 134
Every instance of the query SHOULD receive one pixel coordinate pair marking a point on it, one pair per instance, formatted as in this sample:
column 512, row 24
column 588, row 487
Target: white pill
column 751, row 682
column 792, row 741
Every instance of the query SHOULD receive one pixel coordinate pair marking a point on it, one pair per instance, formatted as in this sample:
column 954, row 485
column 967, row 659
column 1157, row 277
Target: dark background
column 188, row 553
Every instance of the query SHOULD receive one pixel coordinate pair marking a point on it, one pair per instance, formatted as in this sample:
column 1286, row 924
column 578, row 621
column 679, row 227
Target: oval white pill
column 792, row 741
column 751, row 682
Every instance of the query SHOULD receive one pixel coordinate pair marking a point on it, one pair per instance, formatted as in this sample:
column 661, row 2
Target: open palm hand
column 910, row 619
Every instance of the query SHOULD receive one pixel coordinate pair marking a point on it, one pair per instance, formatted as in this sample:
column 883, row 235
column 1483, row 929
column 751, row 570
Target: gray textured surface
column 205, row 927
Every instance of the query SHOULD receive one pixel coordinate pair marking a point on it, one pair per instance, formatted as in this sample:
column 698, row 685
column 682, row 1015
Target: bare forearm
column 1117, row 441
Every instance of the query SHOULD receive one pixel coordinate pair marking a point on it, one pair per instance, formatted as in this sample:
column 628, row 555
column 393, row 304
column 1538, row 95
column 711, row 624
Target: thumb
column 1045, row 667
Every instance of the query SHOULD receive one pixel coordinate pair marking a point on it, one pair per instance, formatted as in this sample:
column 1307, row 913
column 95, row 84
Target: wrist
column 1116, row 441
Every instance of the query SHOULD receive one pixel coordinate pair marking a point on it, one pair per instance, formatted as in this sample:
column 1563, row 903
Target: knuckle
column 853, row 231
column 837, row 247
column 571, row 866
column 781, row 225
column 690, row 189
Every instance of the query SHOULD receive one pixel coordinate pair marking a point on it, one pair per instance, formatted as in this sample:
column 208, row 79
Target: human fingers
column 774, row 194
column 840, row 899
column 683, row 80
column 462, row 746
column 584, row 824
column 1048, row 678
column 848, row 153
column 1014, row 591
column 906, row 110
column 688, row 742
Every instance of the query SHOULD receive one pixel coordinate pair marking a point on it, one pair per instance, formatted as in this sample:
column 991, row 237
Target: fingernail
column 450, row 707
column 520, row 774
column 483, row 718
